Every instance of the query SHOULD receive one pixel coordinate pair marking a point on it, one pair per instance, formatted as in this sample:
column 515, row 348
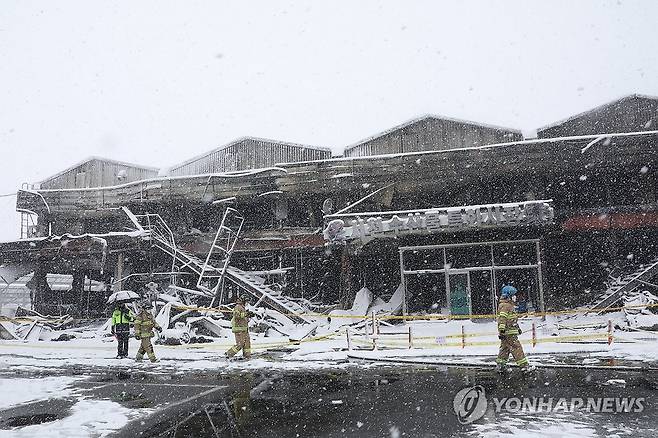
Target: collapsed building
column 443, row 210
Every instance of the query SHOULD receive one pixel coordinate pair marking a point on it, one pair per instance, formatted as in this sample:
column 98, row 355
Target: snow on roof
column 231, row 174
column 96, row 158
column 243, row 139
column 597, row 108
column 427, row 117
column 486, row 146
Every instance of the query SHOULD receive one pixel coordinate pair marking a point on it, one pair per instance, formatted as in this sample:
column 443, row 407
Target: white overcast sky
column 157, row 82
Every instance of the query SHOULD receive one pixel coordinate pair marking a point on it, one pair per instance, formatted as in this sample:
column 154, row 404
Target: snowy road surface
column 77, row 388
column 352, row 400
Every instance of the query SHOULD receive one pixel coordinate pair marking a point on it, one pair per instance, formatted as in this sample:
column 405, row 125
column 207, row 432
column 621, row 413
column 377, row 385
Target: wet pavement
column 361, row 401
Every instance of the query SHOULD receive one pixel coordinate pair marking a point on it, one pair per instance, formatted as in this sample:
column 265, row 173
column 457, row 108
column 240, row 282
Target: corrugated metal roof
column 597, row 108
column 95, row 158
column 430, row 117
column 243, row 139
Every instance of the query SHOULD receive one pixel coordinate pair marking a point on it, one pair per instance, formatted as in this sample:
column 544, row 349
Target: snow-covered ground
column 574, row 340
column 19, row 391
column 86, row 418
column 555, row 337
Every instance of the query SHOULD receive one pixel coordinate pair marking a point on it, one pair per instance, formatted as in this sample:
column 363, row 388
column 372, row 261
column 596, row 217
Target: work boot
column 154, row 360
column 501, row 368
column 529, row 369
column 139, row 358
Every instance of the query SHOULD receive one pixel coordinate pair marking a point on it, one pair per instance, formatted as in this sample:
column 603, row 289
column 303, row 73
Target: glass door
column 460, row 293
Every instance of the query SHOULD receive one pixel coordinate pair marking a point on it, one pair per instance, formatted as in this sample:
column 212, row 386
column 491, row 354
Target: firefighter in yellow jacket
column 240, row 329
column 509, row 331
column 144, row 324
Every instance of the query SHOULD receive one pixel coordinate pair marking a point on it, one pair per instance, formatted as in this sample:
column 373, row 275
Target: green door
column 459, row 294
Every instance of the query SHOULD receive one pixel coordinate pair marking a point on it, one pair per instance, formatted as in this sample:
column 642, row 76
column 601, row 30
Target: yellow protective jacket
column 240, row 320
column 507, row 318
column 121, row 319
column 144, row 325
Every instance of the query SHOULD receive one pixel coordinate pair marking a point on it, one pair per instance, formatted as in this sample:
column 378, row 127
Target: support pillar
column 346, row 284
column 40, row 292
column 78, row 292
column 118, row 273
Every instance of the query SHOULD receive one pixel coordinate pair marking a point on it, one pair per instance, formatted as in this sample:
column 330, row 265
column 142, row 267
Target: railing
column 160, row 231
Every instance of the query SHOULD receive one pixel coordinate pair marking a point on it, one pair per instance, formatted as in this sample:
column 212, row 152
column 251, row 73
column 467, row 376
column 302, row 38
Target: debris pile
column 28, row 325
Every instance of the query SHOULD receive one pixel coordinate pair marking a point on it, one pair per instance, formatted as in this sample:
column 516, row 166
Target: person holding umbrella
column 121, row 319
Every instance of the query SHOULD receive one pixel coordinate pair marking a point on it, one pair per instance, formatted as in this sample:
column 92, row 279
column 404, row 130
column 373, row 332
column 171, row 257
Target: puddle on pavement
column 39, row 412
column 29, row 420
column 413, row 401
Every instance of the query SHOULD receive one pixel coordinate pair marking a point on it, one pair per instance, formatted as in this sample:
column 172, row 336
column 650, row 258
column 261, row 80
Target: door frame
column 466, row 272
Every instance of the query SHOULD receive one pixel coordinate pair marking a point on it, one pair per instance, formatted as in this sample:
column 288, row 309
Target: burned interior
column 126, row 225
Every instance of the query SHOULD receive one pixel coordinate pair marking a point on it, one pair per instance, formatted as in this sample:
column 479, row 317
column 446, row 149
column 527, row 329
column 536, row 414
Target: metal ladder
column 624, row 285
column 220, row 253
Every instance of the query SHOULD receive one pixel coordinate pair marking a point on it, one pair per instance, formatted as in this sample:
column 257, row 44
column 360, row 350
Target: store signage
column 530, row 213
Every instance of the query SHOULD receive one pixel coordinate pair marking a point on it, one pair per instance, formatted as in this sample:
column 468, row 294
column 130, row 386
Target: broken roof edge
column 486, row 146
column 232, row 174
column 97, row 158
column 431, row 116
column 594, row 109
column 245, row 138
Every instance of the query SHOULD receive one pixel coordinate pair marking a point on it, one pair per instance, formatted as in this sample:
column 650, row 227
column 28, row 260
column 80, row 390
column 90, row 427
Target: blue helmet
column 507, row 291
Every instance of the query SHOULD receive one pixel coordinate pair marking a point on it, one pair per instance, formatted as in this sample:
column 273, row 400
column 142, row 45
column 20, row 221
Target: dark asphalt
column 383, row 401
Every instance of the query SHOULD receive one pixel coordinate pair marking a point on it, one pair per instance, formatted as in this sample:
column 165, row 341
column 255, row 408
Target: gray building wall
column 430, row 134
column 97, row 172
column 248, row 153
column 630, row 114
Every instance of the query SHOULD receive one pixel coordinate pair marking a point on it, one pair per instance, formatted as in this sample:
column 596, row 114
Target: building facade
column 440, row 174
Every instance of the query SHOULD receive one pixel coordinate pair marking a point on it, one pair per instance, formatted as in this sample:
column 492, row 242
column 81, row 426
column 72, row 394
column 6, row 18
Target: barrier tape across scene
column 388, row 317
column 376, row 338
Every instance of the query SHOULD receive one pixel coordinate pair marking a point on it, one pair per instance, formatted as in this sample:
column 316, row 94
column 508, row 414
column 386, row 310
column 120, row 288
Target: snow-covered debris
column 643, row 298
column 392, row 307
column 215, row 327
column 359, row 307
column 164, row 316
column 8, row 331
column 616, row 382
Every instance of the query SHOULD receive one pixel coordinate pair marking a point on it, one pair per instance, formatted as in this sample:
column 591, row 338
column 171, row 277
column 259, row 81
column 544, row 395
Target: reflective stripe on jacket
column 240, row 320
column 144, row 324
column 507, row 318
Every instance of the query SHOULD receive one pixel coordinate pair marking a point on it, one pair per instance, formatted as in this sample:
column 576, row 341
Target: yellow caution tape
column 554, row 339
